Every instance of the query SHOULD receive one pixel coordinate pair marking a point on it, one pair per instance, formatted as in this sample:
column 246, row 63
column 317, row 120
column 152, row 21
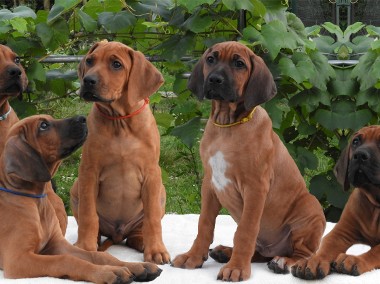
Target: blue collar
column 23, row 194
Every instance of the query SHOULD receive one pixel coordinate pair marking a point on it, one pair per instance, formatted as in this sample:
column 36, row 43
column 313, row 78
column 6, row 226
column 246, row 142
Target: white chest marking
column 219, row 166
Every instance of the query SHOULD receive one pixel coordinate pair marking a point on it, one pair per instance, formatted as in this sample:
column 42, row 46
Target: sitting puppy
column 31, row 242
column 248, row 170
column 119, row 192
column 358, row 165
column 13, row 82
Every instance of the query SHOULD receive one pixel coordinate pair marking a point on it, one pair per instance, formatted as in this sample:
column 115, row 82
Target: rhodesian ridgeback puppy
column 31, row 241
column 358, row 166
column 248, row 170
column 13, row 81
column 119, row 192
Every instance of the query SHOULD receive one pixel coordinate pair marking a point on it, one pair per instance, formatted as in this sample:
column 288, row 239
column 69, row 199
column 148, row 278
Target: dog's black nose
column 14, row 71
column 215, row 79
column 90, row 80
column 361, row 156
column 80, row 119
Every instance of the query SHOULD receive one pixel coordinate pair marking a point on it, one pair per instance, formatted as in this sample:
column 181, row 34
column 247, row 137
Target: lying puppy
column 31, row 242
column 119, row 192
column 358, row 165
column 13, row 81
column 248, row 170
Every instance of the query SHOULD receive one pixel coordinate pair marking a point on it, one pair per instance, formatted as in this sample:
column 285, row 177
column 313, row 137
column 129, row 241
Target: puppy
column 31, row 241
column 248, row 170
column 119, row 192
column 359, row 166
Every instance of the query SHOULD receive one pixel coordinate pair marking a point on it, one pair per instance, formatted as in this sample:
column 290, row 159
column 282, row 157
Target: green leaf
column 367, row 71
column 275, row 10
column 18, row 12
column 60, row 7
column 23, row 108
column 95, row 7
column 333, row 120
column 300, row 71
column 19, row 24
column 165, row 120
column 88, row 23
column 198, row 23
column 305, row 159
column 191, row 5
column 189, row 132
column 323, row 70
column 54, row 35
column 235, row 5
column 372, row 30
column 114, row 22
column 36, row 72
column 276, row 37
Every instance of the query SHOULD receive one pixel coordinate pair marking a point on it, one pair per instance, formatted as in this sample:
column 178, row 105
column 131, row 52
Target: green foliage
column 317, row 107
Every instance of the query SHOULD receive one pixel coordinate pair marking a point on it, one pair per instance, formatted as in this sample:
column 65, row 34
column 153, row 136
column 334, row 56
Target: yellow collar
column 243, row 120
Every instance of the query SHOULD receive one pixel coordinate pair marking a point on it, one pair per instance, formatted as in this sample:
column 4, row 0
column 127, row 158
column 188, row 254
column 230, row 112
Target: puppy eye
column 89, row 61
column 356, row 142
column 17, row 60
column 239, row 64
column 210, row 59
column 44, row 125
column 116, row 64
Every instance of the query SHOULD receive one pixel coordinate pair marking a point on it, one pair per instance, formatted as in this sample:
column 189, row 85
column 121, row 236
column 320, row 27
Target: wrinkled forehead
column 369, row 133
column 5, row 51
column 230, row 50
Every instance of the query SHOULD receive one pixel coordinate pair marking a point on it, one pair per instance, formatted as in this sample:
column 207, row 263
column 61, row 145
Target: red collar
column 146, row 102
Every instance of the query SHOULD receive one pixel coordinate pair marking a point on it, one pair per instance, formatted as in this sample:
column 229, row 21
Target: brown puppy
column 13, row 81
column 35, row 247
column 248, row 170
column 119, row 192
column 358, row 165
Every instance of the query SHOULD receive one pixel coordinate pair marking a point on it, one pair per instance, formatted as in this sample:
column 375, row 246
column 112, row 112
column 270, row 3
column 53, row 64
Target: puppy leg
column 198, row 253
column 58, row 206
column 305, row 243
column 154, row 248
column 319, row 265
column 135, row 239
column 141, row 271
column 357, row 265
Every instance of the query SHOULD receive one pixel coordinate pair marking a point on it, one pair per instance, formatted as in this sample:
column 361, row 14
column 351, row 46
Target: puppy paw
column 234, row 273
column 312, row 268
column 350, row 264
column 114, row 275
column 160, row 256
column 221, row 254
column 188, row 261
column 279, row 265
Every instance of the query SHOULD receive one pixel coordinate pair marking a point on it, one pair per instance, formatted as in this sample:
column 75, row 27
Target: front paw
column 350, row 264
column 312, row 268
column 158, row 255
column 234, row 273
column 189, row 261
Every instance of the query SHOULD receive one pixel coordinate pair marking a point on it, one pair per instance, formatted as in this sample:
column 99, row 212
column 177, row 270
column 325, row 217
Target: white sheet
column 179, row 232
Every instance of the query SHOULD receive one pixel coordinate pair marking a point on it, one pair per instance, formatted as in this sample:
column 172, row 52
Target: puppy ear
column 261, row 86
column 24, row 161
column 144, row 78
column 196, row 80
column 82, row 63
column 341, row 169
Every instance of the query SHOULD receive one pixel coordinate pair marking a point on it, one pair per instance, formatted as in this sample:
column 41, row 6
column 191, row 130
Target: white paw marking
column 219, row 166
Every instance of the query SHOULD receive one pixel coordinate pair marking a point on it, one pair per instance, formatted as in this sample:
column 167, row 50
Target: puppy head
column 112, row 71
column 231, row 72
column 36, row 145
column 13, row 80
column 359, row 163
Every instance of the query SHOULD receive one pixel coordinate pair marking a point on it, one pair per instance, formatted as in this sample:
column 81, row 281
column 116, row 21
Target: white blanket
column 179, row 231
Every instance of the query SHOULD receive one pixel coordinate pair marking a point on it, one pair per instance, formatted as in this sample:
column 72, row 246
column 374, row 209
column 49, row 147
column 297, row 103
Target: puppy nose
column 90, row 80
column 215, row 79
column 81, row 119
column 14, row 71
column 361, row 155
